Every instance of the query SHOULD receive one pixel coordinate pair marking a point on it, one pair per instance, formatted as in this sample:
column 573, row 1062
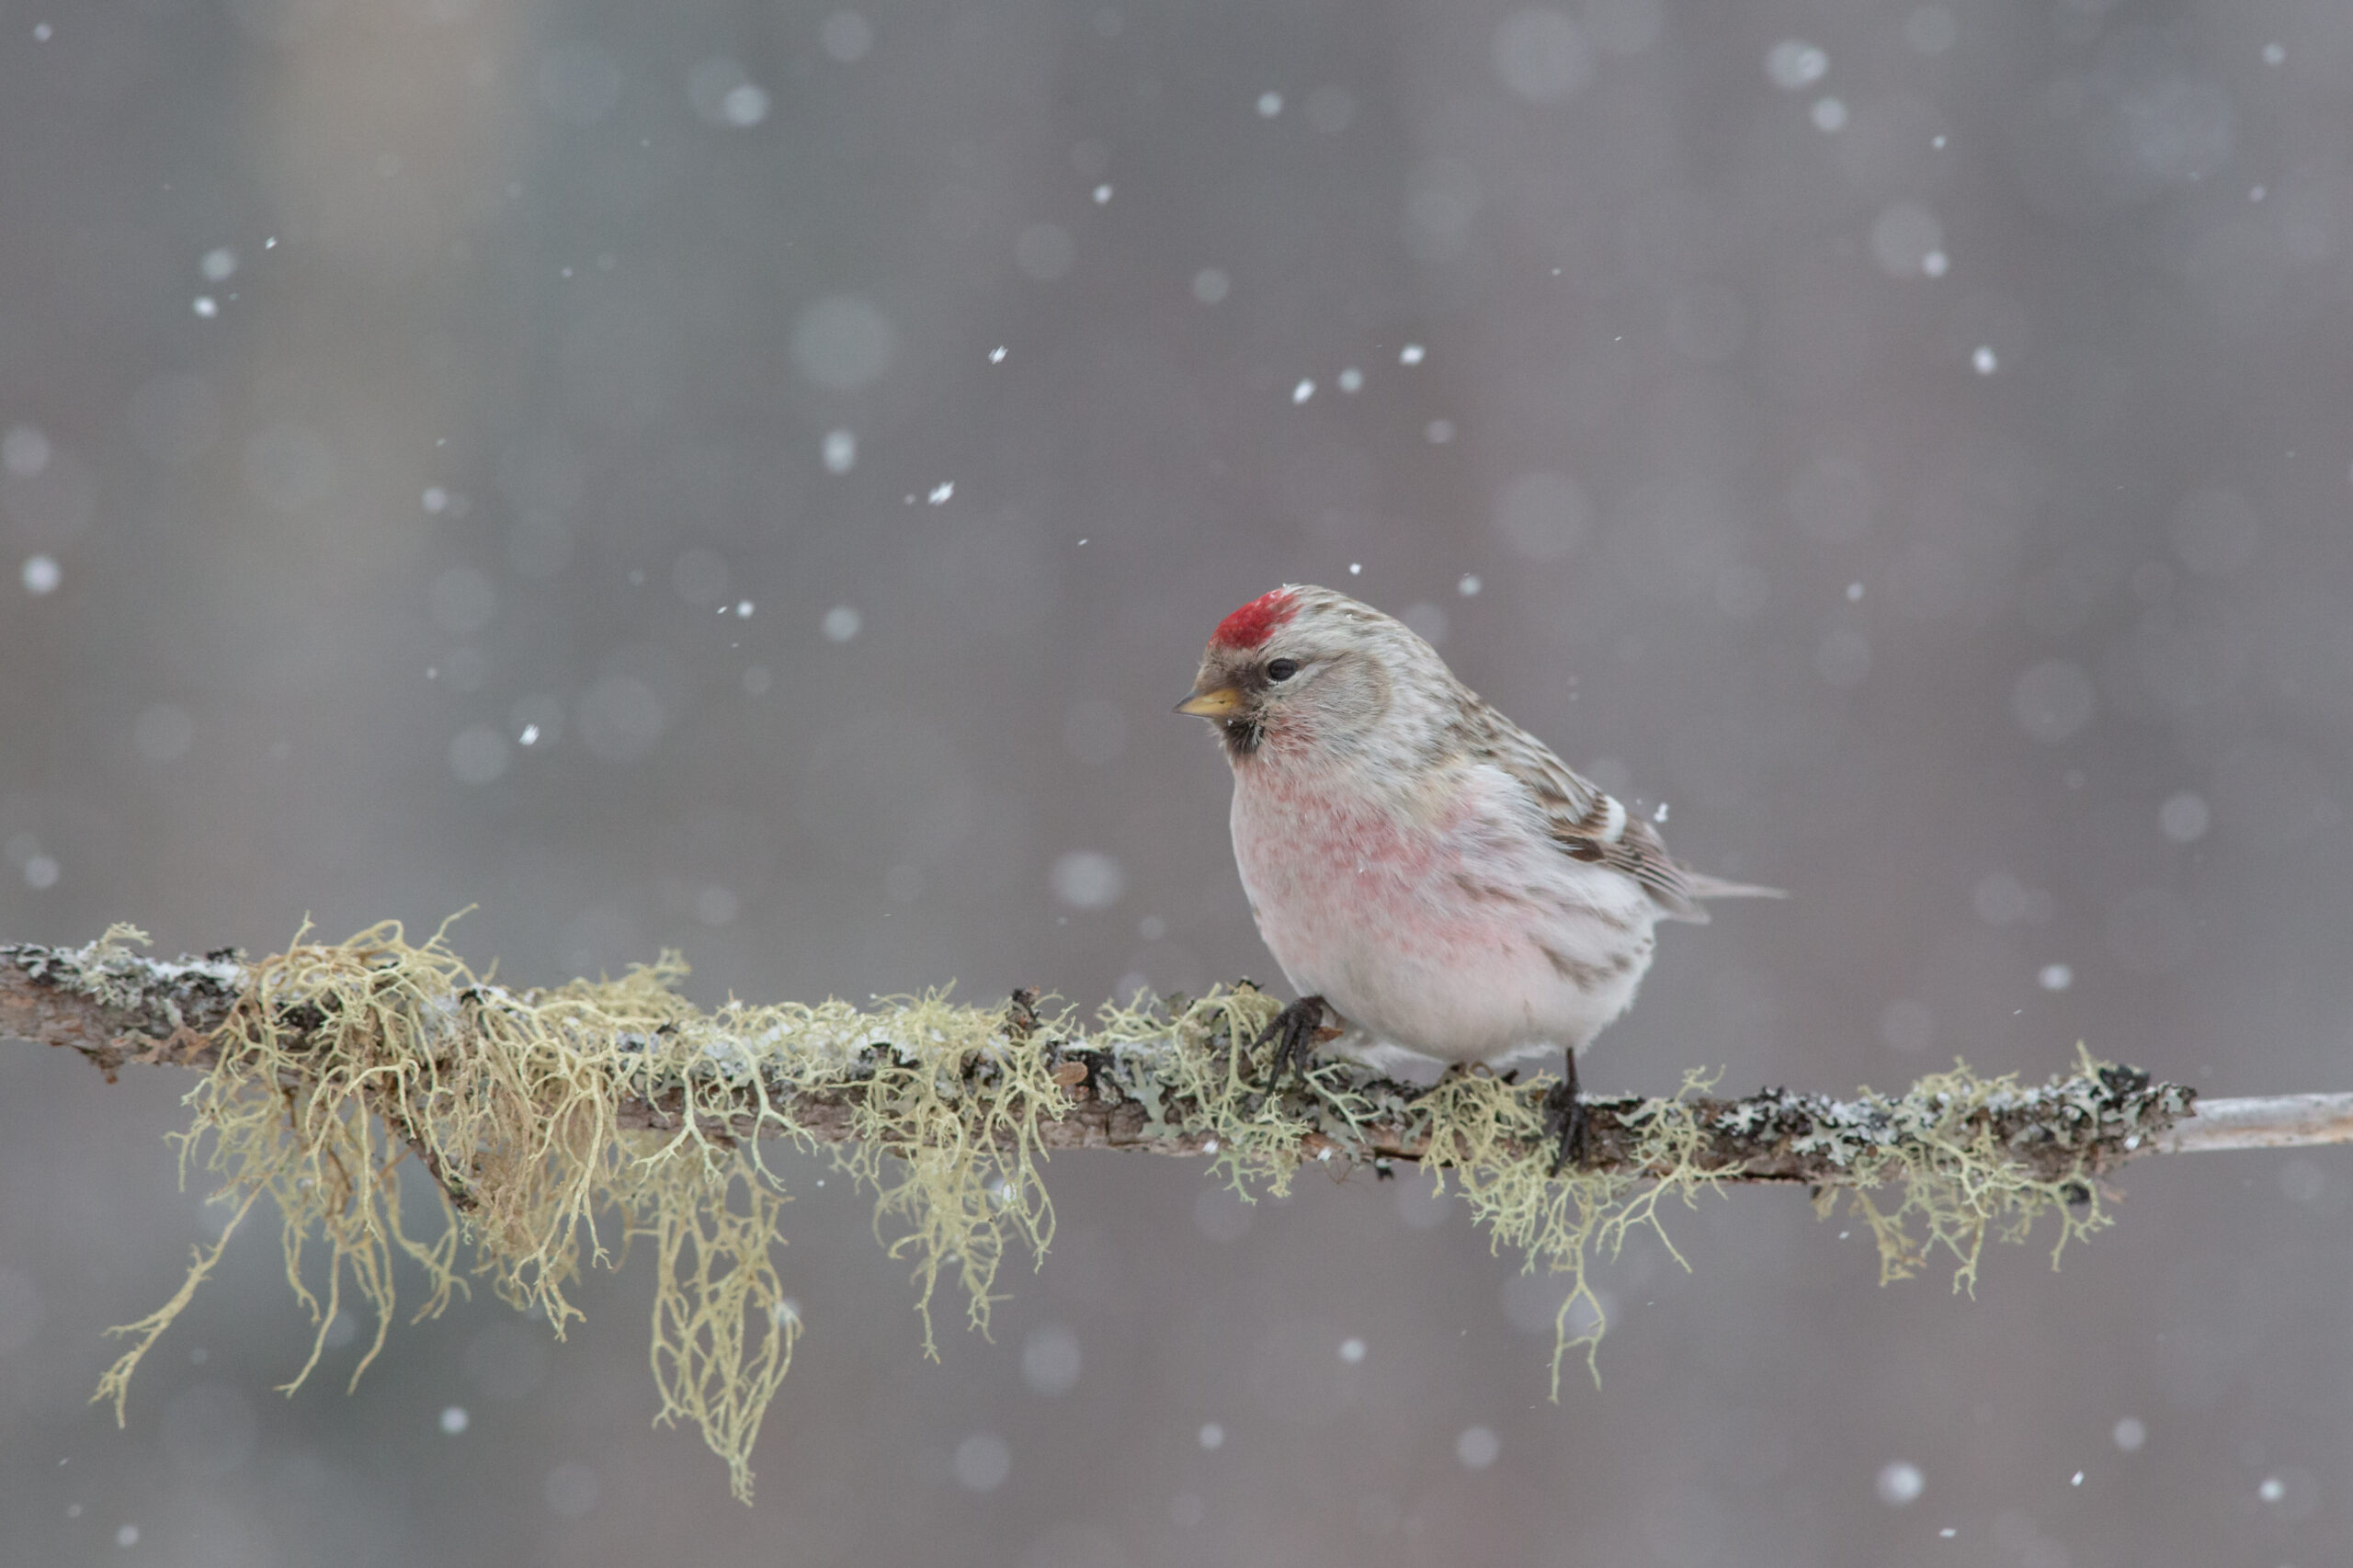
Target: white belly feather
column 1459, row 934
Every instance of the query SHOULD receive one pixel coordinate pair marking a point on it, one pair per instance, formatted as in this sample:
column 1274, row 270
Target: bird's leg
column 1564, row 1119
column 1295, row 1032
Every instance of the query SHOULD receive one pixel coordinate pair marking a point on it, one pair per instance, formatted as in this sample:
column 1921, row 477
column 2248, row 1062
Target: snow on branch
column 537, row 1112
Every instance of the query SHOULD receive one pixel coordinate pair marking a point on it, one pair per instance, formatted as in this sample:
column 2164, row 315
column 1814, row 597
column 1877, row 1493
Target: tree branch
column 139, row 1009
column 536, row 1112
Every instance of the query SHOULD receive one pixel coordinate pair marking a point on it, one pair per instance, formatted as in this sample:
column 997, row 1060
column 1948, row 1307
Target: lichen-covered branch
column 539, row 1113
column 131, row 1007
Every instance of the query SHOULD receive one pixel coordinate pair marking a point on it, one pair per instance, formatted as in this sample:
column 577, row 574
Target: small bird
column 1418, row 863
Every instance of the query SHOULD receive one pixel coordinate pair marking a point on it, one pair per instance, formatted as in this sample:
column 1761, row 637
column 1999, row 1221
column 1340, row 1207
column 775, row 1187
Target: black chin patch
column 1241, row 735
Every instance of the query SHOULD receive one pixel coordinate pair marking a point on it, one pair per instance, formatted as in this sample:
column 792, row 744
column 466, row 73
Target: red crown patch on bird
column 1256, row 621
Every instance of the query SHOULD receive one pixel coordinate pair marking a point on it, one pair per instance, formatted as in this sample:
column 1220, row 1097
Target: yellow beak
column 1212, row 704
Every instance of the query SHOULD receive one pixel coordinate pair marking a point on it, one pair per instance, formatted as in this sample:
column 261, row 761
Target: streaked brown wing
column 1582, row 817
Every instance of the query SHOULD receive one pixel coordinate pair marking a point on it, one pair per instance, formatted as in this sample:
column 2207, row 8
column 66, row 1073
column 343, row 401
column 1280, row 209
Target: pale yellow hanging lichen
column 1958, row 1183
column 343, row 1058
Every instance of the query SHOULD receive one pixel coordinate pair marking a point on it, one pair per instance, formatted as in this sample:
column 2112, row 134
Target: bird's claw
column 1296, row 1031
column 1566, row 1120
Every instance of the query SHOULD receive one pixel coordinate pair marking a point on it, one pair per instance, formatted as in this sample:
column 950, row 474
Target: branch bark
column 167, row 1011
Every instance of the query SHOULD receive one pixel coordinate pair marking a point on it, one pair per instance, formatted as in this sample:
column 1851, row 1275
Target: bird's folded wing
column 1584, row 819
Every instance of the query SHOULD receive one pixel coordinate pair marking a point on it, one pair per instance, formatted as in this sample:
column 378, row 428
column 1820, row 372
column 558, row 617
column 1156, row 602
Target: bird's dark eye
column 1283, row 669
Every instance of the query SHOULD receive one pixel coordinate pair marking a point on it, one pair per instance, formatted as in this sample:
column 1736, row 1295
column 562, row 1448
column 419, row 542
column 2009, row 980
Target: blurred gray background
column 558, row 459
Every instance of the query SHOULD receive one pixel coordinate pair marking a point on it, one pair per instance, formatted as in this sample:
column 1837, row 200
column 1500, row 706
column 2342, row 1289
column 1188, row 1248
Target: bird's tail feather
column 1700, row 885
